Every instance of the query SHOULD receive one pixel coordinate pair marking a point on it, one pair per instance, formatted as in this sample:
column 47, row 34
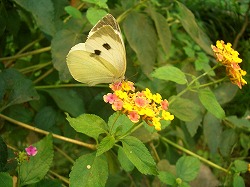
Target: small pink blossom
column 117, row 105
column 141, row 102
column 31, row 150
column 134, row 116
column 164, row 104
column 110, row 98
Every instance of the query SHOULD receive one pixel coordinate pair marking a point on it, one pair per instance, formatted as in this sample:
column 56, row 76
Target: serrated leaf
column 241, row 166
column 119, row 124
column 36, row 168
column 3, row 155
column 15, row 89
column 45, row 118
column 183, row 109
column 139, row 155
column 89, row 171
column 170, row 73
column 94, row 14
column 209, row 101
column 142, row 38
column 74, row 12
column 106, row 144
column 60, row 46
column 192, row 126
column 228, row 140
column 5, row 180
column 124, row 161
column 212, row 131
column 163, row 30
column 68, row 100
column 238, row 181
column 43, row 13
column 167, row 178
column 188, row 21
column 88, row 124
column 187, row 168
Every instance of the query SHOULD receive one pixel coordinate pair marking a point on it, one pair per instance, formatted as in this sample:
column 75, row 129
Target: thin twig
column 26, row 54
column 19, row 123
column 243, row 28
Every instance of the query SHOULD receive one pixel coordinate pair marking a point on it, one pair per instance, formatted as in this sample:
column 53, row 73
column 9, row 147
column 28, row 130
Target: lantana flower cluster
column 25, row 155
column 138, row 106
column 228, row 57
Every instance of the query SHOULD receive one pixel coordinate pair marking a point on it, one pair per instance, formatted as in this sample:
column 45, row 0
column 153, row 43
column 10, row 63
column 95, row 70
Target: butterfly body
column 102, row 58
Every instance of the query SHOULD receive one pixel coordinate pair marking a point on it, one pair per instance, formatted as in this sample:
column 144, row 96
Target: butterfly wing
column 88, row 68
column 102, row 58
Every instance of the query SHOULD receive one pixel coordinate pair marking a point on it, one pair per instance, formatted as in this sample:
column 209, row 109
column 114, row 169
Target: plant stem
column 43, row 75
column 195, row 155
column 26, row 54
column 189, row 86
column 67, row 86
column 90, row 146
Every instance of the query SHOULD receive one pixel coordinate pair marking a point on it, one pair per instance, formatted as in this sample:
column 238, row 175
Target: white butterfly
column 102, row 58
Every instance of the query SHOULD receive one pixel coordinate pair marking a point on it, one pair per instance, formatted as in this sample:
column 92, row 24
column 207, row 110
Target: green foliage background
column 168, row 47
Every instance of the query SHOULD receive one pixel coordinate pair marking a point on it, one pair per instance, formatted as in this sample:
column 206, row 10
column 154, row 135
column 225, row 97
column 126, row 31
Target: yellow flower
column 229, row 58
column 138, row 105
column 157, row 98
column 148, row 93
column 167, row 116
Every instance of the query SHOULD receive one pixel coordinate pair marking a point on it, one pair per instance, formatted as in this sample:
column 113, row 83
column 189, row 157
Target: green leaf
column 187, row 168
column 142, row 41
column 89, row 171
column 74, row 12
column 106, row 144
column 124, row 161
column 100, row 3
column 3, row 155
column 183, row 109
column 239, row 122
column 62, row 43
column 5, row 180
column 43, row 13
column 170, row 73
column 15, row 89
column 139, row 155
column 94, row 14
column 167, row 178
column 119, row 124
column 228, row 141
column 36, row 168
column 163, row 30
column 192, row 126
column 88, row 124
column 48, row 182
column 68, row 100
column 225, row 92
column 241, row 166
column 45, row 118
column 238, row 181
column 187, row 20
column 209, row 101
column 212, row 132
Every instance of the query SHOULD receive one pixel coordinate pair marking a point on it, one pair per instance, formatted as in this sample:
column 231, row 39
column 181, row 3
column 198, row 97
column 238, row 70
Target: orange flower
column 138, row 105
column 229, row 58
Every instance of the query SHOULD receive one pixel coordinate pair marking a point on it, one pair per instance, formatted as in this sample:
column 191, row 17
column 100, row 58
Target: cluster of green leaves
column 168, row 51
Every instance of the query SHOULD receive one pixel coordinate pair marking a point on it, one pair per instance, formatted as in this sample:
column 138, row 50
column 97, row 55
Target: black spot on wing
column 106, row 46
column 97, row 52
